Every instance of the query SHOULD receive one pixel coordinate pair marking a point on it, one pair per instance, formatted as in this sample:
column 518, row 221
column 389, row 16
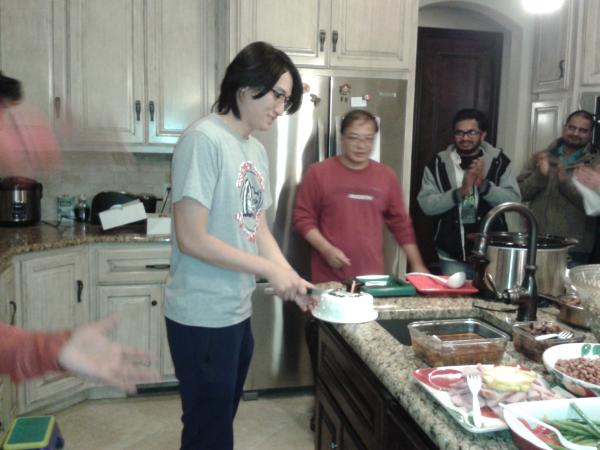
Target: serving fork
column 562, row 335
column 474, row 383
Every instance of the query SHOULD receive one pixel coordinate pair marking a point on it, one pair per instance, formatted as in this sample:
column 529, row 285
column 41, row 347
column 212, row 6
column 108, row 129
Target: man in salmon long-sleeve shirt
column 342, row 205
column 85, row 351
column 344, row 202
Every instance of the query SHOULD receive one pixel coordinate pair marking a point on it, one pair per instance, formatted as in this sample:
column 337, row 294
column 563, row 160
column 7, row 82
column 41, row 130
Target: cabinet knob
column 561, row 68
column 154, row 303
column 333, row 445
column 79, row 290
column 138, row 110
column 13, row 313
column 57, row 107
column 334, row 39
column 151, row 109
column 322, row 35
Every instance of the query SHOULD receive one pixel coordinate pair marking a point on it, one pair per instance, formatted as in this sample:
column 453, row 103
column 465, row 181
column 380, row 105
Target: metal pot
column 573, row 314
column 507, row 255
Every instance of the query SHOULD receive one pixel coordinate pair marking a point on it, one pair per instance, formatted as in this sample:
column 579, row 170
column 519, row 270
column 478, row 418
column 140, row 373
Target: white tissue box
column 118, row 215
column 158, row 225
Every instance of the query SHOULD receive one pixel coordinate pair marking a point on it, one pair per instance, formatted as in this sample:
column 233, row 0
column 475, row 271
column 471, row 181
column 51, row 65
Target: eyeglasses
column 470, row 133
column 281, row 98
column 355, row 139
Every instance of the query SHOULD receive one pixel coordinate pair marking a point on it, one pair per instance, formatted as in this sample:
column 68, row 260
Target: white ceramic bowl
column 551, row 409
column 568, row 351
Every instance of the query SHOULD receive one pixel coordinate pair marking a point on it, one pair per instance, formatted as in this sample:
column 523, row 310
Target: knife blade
column 313, row 292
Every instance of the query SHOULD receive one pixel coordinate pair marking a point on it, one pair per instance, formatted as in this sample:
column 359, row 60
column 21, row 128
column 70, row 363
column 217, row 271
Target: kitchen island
column 391, row 364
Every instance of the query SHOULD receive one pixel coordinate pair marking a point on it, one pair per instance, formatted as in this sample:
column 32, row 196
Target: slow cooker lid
column 23, row 183
column 520, row 240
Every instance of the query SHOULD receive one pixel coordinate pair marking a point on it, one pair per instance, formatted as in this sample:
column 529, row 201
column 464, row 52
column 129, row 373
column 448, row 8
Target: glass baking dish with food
column 525, row 334
column 453, row 342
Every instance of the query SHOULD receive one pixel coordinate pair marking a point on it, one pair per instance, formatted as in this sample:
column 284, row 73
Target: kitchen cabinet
column 554, row 49
column 547, row 118
column 331, row 33
column 32, row 50
column 54, row 289
column 591, row 44
column 8, row 391
column 130, row 281
column 353, row 409
column 140, row 71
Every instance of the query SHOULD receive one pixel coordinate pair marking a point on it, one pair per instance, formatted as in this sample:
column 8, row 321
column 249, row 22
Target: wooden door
column 455, row 69
column 552, row 66
column 360, row 26
column 55, row 292
column 140, row 312
column 106, row 71
column 273, row 20
column 178, row 66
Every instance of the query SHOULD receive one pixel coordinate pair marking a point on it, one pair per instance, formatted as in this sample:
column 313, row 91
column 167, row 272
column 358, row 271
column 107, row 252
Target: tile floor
column 151, row 422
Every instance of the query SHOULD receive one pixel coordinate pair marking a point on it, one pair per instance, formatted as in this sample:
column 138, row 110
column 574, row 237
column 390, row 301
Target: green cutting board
column 393, row 287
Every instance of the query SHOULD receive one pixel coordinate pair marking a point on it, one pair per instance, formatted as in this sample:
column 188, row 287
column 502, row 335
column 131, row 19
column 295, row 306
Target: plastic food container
column 457, row 342
column 524, row 341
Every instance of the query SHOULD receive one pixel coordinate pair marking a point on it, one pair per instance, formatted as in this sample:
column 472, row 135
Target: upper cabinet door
column 301, row 29
column 591, row 43
column 554, row 49
column 30, row 50
column 180, row 66
column 106, row 48
column 373, row 34
column 353, row 34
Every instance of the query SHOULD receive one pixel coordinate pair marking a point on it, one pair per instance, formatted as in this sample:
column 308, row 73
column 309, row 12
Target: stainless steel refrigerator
column 294, row 142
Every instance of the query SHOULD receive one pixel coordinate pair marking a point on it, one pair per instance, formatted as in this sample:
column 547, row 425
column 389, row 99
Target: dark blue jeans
column 211, row 365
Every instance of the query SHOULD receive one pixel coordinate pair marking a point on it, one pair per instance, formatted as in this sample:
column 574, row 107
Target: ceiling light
column 542, row 6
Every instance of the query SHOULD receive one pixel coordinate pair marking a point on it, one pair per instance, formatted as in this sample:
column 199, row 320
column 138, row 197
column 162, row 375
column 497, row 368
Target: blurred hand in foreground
column 90, row 354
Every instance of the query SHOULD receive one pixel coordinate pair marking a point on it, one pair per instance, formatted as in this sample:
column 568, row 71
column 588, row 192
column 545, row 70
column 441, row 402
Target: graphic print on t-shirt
column 250, row 182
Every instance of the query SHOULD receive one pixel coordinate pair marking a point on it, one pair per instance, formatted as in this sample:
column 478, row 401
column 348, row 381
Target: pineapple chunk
column 508, row 378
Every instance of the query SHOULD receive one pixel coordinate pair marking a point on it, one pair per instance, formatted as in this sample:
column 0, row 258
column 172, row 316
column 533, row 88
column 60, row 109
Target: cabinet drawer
column 132, row 265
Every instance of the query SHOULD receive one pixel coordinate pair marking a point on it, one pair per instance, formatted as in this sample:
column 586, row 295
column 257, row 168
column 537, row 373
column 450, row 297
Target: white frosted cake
column 341, row 306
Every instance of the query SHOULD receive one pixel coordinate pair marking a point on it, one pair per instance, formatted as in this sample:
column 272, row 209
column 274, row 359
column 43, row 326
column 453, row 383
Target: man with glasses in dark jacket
column 461, row 184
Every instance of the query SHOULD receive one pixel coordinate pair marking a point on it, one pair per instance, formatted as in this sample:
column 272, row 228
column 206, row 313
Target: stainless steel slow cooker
column 20, row 201
column 507, row 253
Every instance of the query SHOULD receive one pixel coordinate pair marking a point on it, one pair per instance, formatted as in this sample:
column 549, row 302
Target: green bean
column 555, row 447
column 586, row 418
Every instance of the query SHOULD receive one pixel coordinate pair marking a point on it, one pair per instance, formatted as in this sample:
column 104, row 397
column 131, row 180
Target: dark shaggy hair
column 471, row 114
column 257, row 66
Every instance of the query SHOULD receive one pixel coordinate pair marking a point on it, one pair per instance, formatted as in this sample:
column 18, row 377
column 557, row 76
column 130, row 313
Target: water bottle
column 82, row 210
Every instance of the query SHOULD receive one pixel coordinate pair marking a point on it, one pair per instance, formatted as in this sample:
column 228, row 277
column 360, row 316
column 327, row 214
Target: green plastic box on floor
column 33, row 433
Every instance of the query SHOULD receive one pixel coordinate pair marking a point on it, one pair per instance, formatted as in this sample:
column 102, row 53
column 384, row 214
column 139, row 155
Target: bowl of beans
column 576, row 367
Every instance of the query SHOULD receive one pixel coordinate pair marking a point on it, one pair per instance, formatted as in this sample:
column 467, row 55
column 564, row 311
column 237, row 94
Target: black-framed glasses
column 281, row 98
column 470, row 133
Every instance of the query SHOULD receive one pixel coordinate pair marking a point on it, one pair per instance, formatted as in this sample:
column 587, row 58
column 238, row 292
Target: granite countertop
column 18, row 240
column 393, row 363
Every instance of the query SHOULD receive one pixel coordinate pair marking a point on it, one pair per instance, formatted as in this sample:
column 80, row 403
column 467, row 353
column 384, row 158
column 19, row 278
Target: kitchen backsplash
column 91, row 172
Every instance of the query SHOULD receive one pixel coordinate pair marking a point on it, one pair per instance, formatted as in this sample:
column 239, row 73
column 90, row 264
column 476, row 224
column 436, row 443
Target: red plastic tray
column 427, row 286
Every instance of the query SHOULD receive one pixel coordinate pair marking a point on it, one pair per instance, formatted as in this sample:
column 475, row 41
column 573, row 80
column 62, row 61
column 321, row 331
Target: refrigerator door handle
column 321, row 141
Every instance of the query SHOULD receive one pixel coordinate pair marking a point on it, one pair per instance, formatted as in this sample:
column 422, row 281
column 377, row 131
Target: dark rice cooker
column 20, row 201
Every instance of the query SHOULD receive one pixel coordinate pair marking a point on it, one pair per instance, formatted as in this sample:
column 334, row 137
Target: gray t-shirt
column 228, row 175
